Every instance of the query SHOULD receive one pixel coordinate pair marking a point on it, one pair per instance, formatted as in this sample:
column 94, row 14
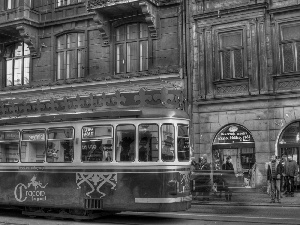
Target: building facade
column 245, row 76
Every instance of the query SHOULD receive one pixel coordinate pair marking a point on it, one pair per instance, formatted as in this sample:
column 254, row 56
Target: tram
column 91, row 164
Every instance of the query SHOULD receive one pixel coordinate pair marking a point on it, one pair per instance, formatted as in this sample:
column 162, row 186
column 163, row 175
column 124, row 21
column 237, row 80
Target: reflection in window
column 97, row 143
column 9, row 146
column 125, row 143
column 60, row 3
column 168, row 148
column 33, row 146
column 148, row 142
column 71, row 56
column 132, row 48
column 17, row 64
column 60, row 146
column 183, row 143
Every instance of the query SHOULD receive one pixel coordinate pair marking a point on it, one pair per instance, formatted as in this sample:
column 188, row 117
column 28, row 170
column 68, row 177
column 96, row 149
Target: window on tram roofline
column 183, row 143
column 17, row 57
column 290, row 47
column 97, row 143
column 125, row 143
column 71, row 53
column 148, row 137
column 60, row 3
column 132, row 44
column 33, row 145
column 9, row 146
column 231, row 54
column 60, row 145
column 168, row 142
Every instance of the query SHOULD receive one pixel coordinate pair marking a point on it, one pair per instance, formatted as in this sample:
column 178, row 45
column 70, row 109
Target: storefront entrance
column 235, row 143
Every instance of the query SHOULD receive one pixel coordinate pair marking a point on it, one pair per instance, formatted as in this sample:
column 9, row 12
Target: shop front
column 235, row 144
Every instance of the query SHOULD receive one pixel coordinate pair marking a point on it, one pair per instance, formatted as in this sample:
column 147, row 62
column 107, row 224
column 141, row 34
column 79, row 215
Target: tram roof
column 107, row 114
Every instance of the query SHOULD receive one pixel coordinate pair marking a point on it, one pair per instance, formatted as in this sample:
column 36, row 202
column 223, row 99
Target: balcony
column 18, row 14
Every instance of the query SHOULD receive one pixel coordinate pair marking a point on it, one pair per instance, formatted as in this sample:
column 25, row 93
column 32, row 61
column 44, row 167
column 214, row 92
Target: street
column 198, row 214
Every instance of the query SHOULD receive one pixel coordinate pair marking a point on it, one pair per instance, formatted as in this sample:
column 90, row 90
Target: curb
column 246, row 204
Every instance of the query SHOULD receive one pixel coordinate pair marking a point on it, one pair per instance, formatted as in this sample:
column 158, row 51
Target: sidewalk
column 248, row 198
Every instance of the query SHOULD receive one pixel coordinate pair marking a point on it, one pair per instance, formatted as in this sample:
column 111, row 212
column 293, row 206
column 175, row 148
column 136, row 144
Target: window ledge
column 286, row 75
column 57, row 8
column 231, row 80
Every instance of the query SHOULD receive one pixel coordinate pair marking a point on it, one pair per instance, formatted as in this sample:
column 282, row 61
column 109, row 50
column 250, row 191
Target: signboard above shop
column 233, row 134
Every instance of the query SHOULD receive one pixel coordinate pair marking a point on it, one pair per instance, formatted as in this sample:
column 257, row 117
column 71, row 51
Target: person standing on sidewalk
column 205, row 167
column 284, row 178
column 274, row 174
column 228, row 175
column 290, row 170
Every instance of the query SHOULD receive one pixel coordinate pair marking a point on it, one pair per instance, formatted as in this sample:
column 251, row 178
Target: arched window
column 17, row 64
column 71, row 50
column 132, row 48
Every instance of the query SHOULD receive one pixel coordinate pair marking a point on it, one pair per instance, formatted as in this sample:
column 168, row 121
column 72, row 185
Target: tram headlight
column 172, row 187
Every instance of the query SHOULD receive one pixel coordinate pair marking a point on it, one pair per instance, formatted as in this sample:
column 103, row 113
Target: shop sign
column 234, row 134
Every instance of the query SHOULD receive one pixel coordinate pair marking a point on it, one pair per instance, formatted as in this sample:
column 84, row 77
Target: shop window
column 17, row 64
column 231, row 51
column 290, row 48
column 9, row 146
column 183, row 143
column 71, row 52
column 60, row 3
column 125, row 143
column 148, row 143
column 97, row 144
column 60, row 145
column 132, row 48
column 168, row 147
column 33, row 146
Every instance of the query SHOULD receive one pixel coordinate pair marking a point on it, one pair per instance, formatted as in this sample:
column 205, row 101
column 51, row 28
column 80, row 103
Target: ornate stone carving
column 28, row 34
column 288, row 85
column 102, row 26
column 150, row 16
column 224, row 90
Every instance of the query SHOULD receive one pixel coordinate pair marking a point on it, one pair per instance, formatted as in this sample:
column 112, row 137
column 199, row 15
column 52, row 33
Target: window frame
column 67, row 3
column 13, row 59
column 116, row 144
column 14, row 141
column 163, row 140
column 125, row 43
column 76, row 49
column 138, row 141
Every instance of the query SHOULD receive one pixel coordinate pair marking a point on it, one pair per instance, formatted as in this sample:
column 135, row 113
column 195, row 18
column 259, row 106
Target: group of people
column 281, row 175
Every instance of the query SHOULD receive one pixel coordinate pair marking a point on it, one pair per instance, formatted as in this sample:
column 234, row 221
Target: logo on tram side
column 33, row 190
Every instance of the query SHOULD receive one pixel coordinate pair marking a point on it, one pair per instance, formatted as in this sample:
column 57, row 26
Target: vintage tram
column 84, row 165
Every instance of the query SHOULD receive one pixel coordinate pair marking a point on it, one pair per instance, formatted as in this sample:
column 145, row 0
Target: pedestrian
column 228, row 176
column 205, row 168
column 274, row 174
column 284, row 177
column 291, row 172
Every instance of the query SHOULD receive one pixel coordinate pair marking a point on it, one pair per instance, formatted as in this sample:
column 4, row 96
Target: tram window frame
column 109, row 153
column 118, row 150
column 186, row 159
column 146, row 142
column 165, row 142
column 52, row 153
column 9, row 141
column 38, row 158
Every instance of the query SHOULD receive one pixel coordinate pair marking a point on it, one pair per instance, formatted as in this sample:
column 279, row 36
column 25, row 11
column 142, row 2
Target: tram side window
column 168, row 148
column 9, row 146
column 97, row 143
column 148, row 143
column 33, row 146
column 183, row 143
column 125, row 143
column 60, row 145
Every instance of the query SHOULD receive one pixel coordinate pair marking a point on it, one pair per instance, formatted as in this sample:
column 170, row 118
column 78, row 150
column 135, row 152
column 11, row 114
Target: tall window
column 132, row 48
column 67, row 2
column 17, row 64
column 231, row 54
column 290, row 48
column 71, row 56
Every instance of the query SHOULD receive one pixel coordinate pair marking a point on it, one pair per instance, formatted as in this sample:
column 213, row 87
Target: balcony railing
column 19, row 14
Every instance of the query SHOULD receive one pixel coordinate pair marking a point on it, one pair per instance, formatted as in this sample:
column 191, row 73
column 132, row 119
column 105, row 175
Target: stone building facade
column 245, row 76
column 51, row 49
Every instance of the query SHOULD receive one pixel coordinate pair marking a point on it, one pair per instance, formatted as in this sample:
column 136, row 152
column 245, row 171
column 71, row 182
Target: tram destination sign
column 234, row 134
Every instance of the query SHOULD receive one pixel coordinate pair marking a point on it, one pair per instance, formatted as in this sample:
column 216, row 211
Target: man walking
column 291, row 171
column 274, row 174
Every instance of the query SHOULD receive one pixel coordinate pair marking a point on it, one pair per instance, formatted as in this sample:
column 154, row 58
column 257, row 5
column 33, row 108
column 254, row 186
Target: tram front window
column 125, row 143
column 60, row 145
column 9, row 146
column 97, row 142
column 168, row 148
column 183, row 143
column 33, row 146
column 148, row 142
